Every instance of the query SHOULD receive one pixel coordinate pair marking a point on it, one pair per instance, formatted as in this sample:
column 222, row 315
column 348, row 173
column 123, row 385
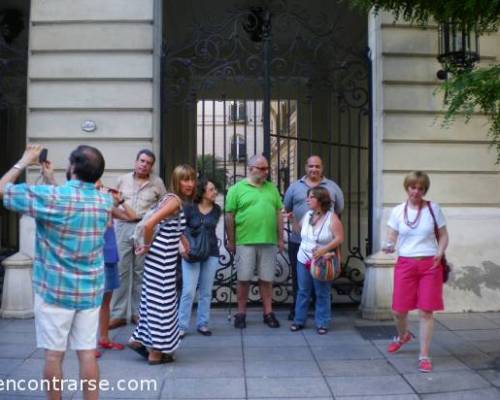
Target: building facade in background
column 111, row 73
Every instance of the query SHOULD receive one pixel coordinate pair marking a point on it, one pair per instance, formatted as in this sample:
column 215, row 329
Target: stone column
column 377, row 290
column 17, row 297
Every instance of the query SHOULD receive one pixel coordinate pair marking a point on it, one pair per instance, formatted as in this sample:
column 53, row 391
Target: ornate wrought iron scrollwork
column 306, row 50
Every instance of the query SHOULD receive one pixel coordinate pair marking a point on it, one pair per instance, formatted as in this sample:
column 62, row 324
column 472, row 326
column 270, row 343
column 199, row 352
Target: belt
column 134, row 221
column 418, row 257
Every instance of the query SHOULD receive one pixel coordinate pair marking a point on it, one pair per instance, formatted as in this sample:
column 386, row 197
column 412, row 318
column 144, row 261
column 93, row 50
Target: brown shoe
column 116, row 323
column 134, row 319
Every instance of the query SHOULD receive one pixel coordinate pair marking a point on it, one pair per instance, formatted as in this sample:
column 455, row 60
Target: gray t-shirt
column 295, row 200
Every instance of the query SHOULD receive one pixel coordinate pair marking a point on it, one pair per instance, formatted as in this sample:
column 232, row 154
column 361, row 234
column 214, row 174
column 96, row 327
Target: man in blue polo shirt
column 68, row 274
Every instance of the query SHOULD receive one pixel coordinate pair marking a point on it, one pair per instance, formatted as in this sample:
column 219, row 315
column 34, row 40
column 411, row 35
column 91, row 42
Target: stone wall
column 93, row 60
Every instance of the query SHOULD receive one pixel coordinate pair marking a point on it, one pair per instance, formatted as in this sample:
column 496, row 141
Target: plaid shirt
column 68, row 269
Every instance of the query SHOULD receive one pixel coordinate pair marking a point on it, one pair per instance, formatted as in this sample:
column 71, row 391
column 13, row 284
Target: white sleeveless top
column 313, row 236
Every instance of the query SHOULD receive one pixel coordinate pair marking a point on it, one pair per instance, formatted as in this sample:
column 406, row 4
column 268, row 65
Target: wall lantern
column 458, row 47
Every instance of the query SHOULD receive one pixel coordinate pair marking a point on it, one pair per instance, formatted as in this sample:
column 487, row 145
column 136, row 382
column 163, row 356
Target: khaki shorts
column 56, row 327
column 257, row 259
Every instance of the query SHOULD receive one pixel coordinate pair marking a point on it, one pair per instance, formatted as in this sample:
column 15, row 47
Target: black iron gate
column 287, row 81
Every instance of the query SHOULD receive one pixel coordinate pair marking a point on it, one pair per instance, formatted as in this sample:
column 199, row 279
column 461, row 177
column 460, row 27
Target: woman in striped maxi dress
column 157, row 333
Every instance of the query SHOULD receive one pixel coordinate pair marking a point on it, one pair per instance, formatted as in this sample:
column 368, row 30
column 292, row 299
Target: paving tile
column 476, row 394
column 15, row 338
column 10, row 351
column 412, row 349
column 278, row 354
column 195, row 354
column 409, row 365
column 477, row 361
column 436, row 382
column 287, row 387
column 206, row 369
column 340, row 352
column 479, row 334
column 349, row 368
column 276, row 369
column 204, row 388
column 294, row 398
column 8, row 365
column 274, row 341
column 368, row 385
column 462, row 348
column 331, row 338
column 488, row 346
column 383, row 397
column 466, row 321
column 491, row 375
column 20, row 326
column 212, row 341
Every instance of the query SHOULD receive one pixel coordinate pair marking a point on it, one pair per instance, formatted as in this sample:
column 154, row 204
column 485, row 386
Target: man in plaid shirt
column 68, row 275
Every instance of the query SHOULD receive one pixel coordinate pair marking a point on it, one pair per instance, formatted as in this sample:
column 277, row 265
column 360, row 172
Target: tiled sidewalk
column 349, row 362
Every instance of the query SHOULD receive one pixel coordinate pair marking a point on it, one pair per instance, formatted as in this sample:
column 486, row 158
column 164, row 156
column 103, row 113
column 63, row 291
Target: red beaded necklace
column 412, row 224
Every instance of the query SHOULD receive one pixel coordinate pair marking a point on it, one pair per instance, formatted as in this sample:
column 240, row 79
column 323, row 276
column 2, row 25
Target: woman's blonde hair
column 181, row 173
column 417, row 177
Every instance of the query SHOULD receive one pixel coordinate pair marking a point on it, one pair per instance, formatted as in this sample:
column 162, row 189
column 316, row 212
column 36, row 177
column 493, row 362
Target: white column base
column 17, row 296
column 376, row 302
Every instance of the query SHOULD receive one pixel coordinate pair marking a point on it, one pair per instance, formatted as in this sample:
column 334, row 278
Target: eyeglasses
column 261, row 168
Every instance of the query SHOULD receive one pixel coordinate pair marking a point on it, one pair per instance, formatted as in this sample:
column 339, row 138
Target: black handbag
column 446, row 266
column 199, row 243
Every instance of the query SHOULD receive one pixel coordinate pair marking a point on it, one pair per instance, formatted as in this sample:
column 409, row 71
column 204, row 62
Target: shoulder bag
column 326, row 268
column 444, row 263
column 199, row 242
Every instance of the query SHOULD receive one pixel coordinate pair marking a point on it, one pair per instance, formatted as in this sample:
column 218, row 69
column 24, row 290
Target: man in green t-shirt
column 254, row 231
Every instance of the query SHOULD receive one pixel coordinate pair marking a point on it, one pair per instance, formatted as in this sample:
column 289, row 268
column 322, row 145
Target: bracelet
column 18, row 166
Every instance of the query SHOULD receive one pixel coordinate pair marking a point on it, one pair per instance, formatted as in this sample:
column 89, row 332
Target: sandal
column 110, row 345
column 271, row 321
column 139, row 348
column 296, row 327
column 164, row 359
column 321, row 330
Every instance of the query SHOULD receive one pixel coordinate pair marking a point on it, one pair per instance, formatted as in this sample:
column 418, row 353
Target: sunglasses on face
column 261, row 168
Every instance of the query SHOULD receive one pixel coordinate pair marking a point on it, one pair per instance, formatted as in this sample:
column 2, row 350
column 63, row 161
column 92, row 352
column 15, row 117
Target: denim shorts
column 111, row 277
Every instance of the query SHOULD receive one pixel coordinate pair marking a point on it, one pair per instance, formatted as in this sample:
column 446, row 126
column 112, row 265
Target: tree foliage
column 466, row 91
column 484, row 14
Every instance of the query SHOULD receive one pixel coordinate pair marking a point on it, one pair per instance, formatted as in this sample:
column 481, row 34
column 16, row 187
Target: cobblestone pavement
column 349, row 362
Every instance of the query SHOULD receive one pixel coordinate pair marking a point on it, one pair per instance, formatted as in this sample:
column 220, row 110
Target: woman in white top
column 418, row 274
column 321, row 233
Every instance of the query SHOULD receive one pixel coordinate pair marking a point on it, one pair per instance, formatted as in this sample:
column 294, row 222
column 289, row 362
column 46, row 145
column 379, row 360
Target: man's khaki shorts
column 257, row 259
column 56, row 327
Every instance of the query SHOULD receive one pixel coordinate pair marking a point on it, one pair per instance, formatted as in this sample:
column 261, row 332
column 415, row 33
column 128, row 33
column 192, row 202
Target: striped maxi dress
column 158, row 323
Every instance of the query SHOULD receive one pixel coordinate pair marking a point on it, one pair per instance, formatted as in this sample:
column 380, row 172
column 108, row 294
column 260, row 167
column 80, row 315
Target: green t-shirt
column 254, row 210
